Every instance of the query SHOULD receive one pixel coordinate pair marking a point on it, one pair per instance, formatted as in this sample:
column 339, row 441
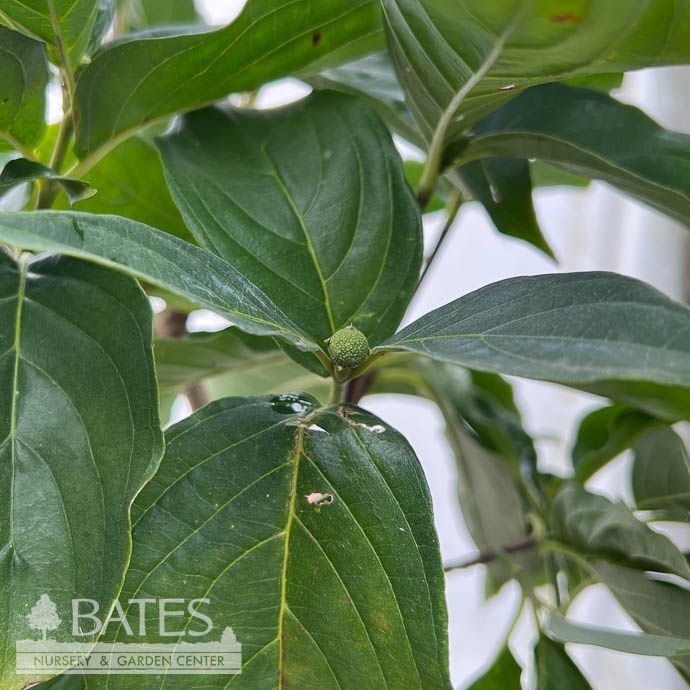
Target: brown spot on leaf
column 316, row 38
column 565, row 18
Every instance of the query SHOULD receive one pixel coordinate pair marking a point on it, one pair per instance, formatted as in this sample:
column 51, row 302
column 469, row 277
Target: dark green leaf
column 503, row 186
column 157, row 258
column 21, row 171
column 661, row 474
column 565, row 631
column 605, row 434
column 659, row 608
column 589, row 330
column 504, row 674
column 491, row 50
column 130, row 183
column 373, row 78
column 309, row 202
column 555, row 669
column 24, row 76
column 341, row 595
column 491, row 502
column 492, row 506
column 486, row 404
column 595, row 526
column 77, row 400
column 65, row 25
column 139, row 80
column 619, row 144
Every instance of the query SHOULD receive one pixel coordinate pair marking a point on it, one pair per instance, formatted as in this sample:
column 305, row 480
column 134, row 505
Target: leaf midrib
column 292, row 509
column 23, row 268
column 307, row 237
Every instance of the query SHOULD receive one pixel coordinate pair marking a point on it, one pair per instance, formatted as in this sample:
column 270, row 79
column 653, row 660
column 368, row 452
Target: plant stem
column 488, row 555
column 337, row 392
column 427, row 182
column 46, row 196
column 452, row 212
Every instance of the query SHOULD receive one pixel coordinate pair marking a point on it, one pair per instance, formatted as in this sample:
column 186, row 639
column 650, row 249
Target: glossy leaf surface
column 589, row 330
column 309, row 202
column 591, row 134
column 77, row 399
column 157, row 258
column 319, row 596
column 140, row 80
column 492, row 50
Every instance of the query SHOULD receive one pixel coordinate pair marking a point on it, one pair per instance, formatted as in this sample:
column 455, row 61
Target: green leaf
column 319, row 597
column 157, row 258
column 555, row 669
column 605, row 434
column 491, row 502
column 275, row 376
column 595, row 526
column 232, row 363
column 143, row 14
column 492, row 505
column 562, row 630
column 104, row 19
column 491, row 50
column 181, row 361
column 643, row 159
column 589, row 330
column 309, row 202
column 24, row 76
column 140, row 80
column 77, row 399
column 21, row 171
column 659, row 608
column 503, row 186
column 504, row 674
column 599, row 82
column 546, row 175
column 65, row 25
column 130, row 183
column 373, row 77
column 661, row 474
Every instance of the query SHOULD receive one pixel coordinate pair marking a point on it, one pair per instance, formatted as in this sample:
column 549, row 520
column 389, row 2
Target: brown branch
column 357, row 388
column 488, row 555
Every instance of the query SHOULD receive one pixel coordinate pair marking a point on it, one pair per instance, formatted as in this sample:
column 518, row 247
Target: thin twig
column 488, row 555
column 452, row 211
column 46, row 196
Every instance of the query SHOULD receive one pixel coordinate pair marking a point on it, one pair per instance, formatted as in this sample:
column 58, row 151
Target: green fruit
column 348, row 347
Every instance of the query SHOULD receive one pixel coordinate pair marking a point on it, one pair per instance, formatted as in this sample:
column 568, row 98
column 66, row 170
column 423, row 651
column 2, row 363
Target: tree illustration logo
column 44, row 616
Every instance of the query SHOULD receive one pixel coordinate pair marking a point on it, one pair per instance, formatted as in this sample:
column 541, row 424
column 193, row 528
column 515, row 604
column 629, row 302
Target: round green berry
column 348, row 347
